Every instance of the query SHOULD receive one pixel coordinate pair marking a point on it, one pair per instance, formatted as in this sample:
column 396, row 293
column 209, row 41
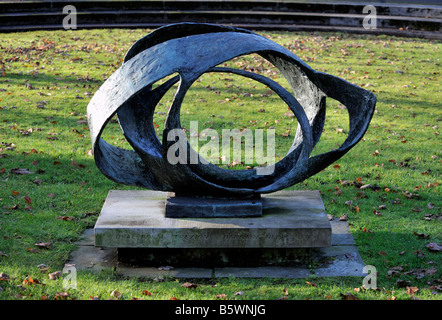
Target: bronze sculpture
column 192, row 49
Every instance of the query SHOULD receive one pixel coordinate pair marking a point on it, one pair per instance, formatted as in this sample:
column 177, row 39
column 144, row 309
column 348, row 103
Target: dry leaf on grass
column 44, row 245
column 348, row 296
column 116, row 294
column 412, row 290
column 189, row 285
column 4, row 277
column 55, row 275
column 21, row 171
column 61, row 295
column 432, row 246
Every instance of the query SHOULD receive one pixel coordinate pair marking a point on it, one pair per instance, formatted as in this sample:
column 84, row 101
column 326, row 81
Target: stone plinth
column 136, row 219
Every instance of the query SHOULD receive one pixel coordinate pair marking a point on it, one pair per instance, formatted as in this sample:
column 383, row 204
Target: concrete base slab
column 336, row 256
column 341, row 259
column 136, row 219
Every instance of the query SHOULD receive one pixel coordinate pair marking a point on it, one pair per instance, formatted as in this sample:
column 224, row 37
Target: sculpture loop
column 190, row 50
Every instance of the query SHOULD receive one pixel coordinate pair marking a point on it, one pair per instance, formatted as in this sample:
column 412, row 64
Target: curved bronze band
column 190, row 50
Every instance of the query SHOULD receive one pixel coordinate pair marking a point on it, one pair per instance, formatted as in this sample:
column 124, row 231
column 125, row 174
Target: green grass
column 47, row 79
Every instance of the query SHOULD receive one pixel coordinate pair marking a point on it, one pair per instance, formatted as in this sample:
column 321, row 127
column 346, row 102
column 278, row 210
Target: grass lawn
column 51, row 190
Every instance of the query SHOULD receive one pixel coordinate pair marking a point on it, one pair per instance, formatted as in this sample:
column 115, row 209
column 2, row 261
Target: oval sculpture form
column 190, row 50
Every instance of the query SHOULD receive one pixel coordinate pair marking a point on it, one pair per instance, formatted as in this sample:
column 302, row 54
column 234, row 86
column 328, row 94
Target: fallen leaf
column 146, row 293
column 174, row 298
column 432, row 246
column 115, row 294
column 55, row 275
column 29, row 281
column 311, row 284
column 412, row 290
column 431, row 271
column 44, row 245
column 344, row 217
column 27, row 199
column 348, row 296
column 189, row 285
column 44, row 270
column 431, row 216
column 65, row 218
column 395, row 270
column 4, row 277
column 430, row 205
column 61, row 295
column 421, row 235
column 221, row 296
column 21, row 171
column 419, row 253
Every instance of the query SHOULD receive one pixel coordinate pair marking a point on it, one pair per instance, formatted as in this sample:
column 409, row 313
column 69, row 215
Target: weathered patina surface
column 190, row 50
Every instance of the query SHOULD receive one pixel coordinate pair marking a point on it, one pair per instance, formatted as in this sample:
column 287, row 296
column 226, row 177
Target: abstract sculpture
column 192, row 49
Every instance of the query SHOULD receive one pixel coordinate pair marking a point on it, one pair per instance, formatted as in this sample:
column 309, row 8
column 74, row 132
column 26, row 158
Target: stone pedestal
column 135, row 223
